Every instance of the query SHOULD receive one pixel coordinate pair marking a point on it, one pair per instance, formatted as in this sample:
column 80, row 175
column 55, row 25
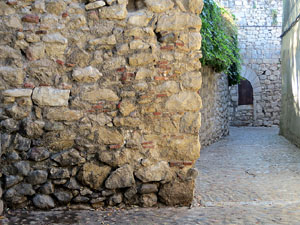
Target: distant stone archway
column 246, row 115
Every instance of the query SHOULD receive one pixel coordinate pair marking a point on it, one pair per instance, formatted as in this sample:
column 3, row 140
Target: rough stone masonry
column 99, row 102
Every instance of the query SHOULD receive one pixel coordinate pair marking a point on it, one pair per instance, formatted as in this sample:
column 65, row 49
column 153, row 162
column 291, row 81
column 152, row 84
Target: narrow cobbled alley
column 250, row 177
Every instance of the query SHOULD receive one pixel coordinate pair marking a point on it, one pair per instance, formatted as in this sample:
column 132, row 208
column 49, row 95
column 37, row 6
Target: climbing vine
column 219, row 41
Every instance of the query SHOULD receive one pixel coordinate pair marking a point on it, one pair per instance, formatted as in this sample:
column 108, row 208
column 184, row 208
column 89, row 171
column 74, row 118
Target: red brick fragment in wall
column 29, row 18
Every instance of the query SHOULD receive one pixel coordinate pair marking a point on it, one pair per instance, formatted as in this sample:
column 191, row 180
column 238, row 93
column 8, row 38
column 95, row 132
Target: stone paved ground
column 250, row 177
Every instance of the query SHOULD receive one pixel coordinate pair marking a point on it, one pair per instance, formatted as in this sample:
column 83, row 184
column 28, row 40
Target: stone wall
column 214, row 113
column 259, row 25
column 99, row 104
column 290, row 112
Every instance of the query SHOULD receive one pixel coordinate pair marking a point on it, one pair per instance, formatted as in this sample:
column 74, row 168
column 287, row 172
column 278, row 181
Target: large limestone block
column 157, row 172
column 141, row 59
column 181, row 149
column 95, row 5
column 178, row 21
column 48, row 96
column 117, row 11
column 93, row 175
column 114, row 158
column 196, row 6
column 177, row 193
column 13, row 76
column 96, row 95
column 190, row 122
column 17, row 92
column 55, row 44
column 62, row 114
column 59, row 140
column 159, row 6
column 169, row 87
column 121, row 178
column 184, row 101
column 109, row 136
column 192, row 81
column 87, row 75
column 126, row 107
column 140, row 18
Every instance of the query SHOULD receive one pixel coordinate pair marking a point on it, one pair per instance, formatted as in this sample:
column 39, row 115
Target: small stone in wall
column 95, row 5
column 93, row 175
column 148, row 200
column 48, row 96
column 17, row 93
column 159, row 6
column 68, row 158
column 22, row 167
column 88, row 74
column 121, row 178
column 43, row 201
column 118, row 12
column 157, row 172
column 63, row 196
column 37, row 177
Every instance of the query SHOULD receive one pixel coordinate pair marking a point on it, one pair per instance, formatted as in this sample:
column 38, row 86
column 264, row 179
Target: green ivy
column 219, row 41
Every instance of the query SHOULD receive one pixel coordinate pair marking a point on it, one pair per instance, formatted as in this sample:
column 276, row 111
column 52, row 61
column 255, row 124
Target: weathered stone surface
column 68, row 158
column 192, row 81
column 22, row 143
column 114, row 158
column 59, row 140
column 126, row 107
column 62, row 114
column 12, row 197
column 148, row 188
column 95, row 95
column 141, row 59
column 117, row 11
column 141, row 18
column 24, row 189
column 196, row 6
column 12, row 180
column 34, row 129
column 63, row 196
column 177, row 193
column 184, row 101
column 18, row 112
column 148, row 200
column 88, row 74
column 93, row 175
column 157, row 172
column 121, row 178
column 17, row 92
column 178, row 21
column 168, row 87
column 35, row 51
column 110, row 40
column 48, row 96
column 59, row 173
column 47, row 188
column 95, row 5
column 72, row 184
column 37, row 177
column 13, row 76
column 159, row 6
column 127, row 122
column 109, row 136
column 23, row 168
column 43, row 201
column 10, row 125
column 55, row 44
column 190, row 122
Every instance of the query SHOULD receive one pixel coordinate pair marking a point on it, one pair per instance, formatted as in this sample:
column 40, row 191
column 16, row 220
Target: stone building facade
column 99, row 102
column 259, row 23
column 215, row 110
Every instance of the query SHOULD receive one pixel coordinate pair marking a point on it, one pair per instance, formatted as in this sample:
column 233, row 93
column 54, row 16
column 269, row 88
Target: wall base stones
column 215, row 111
column 99, row 106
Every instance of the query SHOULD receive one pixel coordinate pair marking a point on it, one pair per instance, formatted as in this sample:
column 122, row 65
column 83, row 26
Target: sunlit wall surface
column 290, row 56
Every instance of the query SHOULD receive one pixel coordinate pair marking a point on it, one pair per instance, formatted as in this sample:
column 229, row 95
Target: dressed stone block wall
column 215, row 111
column 259, row 23
column 99, row 104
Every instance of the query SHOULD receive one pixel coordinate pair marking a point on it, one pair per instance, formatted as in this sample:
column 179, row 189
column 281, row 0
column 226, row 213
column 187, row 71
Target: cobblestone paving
column 249, row 177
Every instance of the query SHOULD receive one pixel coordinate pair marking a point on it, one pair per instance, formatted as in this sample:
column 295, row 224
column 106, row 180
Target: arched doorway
column 245, row 104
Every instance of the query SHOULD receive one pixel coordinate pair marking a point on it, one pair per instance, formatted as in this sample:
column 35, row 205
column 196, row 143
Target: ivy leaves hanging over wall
column 219, row 41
